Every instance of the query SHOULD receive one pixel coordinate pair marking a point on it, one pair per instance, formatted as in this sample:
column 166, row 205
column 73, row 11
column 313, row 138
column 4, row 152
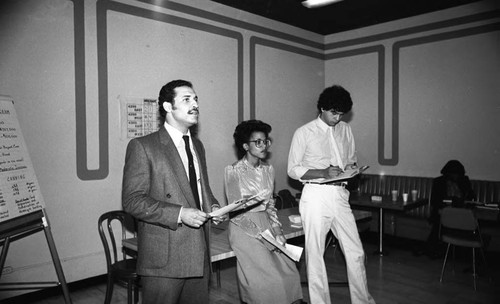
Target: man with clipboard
column 321, row 150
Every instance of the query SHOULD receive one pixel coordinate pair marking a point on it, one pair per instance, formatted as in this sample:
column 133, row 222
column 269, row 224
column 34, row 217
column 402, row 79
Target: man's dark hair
column 167, row 93
column 244, row 131
column 335, row 98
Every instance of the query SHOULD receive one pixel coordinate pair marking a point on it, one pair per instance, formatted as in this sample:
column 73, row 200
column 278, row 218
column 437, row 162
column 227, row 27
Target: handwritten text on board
column 19, row 191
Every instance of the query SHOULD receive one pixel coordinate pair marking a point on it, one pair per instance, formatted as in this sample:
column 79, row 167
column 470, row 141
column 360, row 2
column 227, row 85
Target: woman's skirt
column 264, row 276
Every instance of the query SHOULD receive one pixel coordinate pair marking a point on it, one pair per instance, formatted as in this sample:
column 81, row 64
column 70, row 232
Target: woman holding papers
column 265, row 275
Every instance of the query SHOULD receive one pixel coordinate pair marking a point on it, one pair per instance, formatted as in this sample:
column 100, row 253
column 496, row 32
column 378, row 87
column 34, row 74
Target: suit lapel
column 173, row 158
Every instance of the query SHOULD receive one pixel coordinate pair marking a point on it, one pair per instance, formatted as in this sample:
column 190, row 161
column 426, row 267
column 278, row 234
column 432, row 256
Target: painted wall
column 425, row 91
column 68, row 64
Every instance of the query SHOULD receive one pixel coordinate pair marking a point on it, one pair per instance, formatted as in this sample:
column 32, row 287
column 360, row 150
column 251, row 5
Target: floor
column 397, row 277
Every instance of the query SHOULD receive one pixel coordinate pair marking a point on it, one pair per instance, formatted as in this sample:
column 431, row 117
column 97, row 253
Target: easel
column 24, row 226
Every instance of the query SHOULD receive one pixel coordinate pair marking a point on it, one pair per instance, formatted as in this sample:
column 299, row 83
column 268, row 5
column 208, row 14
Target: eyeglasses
column 259, row 143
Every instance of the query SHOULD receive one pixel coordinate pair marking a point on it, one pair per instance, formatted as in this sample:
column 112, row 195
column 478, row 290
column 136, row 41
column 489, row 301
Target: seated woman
column 453, row 188
column 265, row 275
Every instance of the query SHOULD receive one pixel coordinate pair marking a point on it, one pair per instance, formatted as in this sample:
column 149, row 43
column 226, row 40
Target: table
column 489, row 214
column 364, row 202
column 219, row 242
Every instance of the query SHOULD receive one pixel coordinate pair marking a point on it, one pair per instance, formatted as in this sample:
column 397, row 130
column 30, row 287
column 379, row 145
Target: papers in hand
column 230, row 207
column 292, row 251
column 347, row 174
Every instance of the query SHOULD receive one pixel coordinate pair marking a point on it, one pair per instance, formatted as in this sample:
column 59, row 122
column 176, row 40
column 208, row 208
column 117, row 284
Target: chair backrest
column 287, row 199
column 458, row 218
column 112, row 228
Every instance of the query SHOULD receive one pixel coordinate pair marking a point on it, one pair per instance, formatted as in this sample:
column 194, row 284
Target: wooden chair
column 285, row 200
column 459, row 227
column 122, row 270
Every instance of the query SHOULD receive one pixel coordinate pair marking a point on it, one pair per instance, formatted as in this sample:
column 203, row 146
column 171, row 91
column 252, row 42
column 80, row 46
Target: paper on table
column 236, row 204
column 347, row 174
column 292, row 251
column 492, row 205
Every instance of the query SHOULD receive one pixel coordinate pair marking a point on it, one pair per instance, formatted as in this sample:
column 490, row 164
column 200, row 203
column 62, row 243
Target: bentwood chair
column 285, row 200
column 121, row 269
column 459, row 227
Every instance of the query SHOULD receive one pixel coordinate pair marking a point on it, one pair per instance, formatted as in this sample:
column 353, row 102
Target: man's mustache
column 194, row 110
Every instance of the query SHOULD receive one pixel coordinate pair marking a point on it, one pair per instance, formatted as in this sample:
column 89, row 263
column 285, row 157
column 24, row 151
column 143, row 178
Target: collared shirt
column 311, row 148
column 176, row 136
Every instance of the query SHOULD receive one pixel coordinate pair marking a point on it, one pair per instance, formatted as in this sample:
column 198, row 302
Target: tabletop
column 219, row 242
column 365, row 201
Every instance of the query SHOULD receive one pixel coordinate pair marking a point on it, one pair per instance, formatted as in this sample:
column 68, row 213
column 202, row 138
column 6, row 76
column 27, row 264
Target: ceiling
column 342, row 16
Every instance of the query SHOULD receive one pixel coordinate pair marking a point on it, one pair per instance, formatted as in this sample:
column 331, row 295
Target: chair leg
column 109, row 289
column 136, row 293
column 454, row 259
column 336, row 244
column 217, row 273
column 444, row 263
column 130, row 287
column 331, row 240
column 485, row 263
column 474, row 275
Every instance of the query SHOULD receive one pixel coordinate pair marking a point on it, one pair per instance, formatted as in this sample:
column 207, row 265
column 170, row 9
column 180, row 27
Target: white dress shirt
column 313, row 148
column 176, row 136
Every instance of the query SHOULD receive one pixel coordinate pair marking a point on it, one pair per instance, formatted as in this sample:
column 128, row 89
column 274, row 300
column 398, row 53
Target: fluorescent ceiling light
column 318, row 3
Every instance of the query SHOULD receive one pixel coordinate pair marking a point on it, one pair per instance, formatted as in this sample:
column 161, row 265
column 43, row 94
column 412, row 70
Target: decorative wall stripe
column 395, row 73
column 415, row 30
column 380, row 51
column 254, row 41
column 103, row 6
column 81, row 124
column 233, row 22
column 82, row 170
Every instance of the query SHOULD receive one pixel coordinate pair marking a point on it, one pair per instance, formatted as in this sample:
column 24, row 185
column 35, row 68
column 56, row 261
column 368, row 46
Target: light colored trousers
column 323, row 208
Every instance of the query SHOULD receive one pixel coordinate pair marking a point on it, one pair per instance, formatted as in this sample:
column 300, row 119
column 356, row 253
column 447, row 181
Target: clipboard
column 346, row 175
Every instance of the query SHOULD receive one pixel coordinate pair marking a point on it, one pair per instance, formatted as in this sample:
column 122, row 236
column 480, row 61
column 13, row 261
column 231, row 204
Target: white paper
column 230, row 207
column 292, row 251
column 19, row 188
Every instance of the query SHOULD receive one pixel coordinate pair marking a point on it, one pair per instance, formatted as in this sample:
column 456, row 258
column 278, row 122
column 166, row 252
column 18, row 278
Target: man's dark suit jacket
column 155, row 187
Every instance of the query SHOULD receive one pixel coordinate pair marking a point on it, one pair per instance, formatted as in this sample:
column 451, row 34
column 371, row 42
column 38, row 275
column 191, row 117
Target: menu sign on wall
column 139, row 117
column 19, row 189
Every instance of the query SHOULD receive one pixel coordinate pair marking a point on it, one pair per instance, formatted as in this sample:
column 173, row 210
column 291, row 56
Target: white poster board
column 19, row 189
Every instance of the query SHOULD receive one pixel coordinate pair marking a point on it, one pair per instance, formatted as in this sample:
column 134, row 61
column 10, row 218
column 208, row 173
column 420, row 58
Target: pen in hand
column 334, row 171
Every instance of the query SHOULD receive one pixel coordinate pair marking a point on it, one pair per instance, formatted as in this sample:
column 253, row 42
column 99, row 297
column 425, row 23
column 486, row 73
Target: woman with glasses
column 265, row 275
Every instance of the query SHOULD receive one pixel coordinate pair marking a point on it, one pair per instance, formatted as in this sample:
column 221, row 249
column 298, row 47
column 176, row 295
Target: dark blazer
column 155, row 187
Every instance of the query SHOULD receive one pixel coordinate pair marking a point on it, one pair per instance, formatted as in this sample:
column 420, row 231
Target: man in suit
column 165, row 187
